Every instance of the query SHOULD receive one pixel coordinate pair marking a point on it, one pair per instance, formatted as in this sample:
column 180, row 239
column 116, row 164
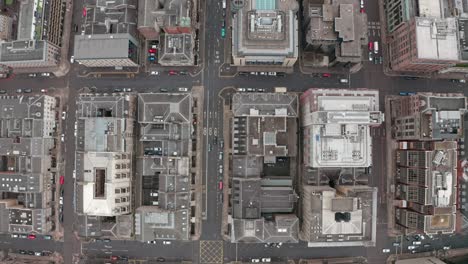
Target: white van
column 376, row 47
column 343, row 80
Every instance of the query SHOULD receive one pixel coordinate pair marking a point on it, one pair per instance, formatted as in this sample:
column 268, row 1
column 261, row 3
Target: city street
column 371, row 76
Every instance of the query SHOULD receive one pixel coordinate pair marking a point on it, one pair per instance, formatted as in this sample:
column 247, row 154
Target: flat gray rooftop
column 22, row 50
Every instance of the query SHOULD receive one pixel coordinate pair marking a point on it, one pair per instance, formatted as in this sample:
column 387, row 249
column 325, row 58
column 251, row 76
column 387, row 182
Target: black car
column 23, row 252
column 117, row 90
column 27, row 90
column 31, row 253
column 183, row 72
column 107, row 240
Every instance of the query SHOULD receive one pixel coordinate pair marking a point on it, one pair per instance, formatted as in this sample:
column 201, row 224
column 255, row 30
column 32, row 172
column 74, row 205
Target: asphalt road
column 371, row 76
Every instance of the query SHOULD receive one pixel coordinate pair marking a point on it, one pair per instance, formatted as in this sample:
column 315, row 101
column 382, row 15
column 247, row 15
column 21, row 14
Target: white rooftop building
column 437, row 38
column 337, row 127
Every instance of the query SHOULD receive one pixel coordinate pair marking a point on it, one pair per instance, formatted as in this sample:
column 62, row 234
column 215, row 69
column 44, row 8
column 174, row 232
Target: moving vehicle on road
column 376, row 47
column 223, row 32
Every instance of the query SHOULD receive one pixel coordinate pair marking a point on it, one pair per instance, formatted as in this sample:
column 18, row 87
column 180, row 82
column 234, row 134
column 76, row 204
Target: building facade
column 5, row 27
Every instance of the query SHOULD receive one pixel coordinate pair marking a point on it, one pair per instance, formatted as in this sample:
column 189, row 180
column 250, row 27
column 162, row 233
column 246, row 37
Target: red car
column 371, row 45
column 173, row 72
column 326, row 75
column 152, row 50
column 220, row 185
column 84, row 11
column 62, row 179
column 114, row 258
column 31, row 236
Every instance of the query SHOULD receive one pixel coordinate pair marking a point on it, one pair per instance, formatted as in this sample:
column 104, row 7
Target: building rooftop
column 433, row 116
column 164, row 108
column 345, row 216
column 104, row 150
column 102, row 46
column 165, row 122
column 176, row 49
column 436, row 39
column 165, row 13
column 264, row 150
column 110, row 17
column 23, row 50
column 282, row 228
column 153, row 223
column 26, row 127
column 339, row 24
column 265, row 27
column 338, row 126
column 265, row 104
column 253, row 197
column 427, row 180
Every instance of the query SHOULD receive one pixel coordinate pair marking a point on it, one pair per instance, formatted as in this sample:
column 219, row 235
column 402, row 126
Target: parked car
column 28, row 90
column 2, row 92
column 154, row 73
column 45, row 74
column 255, row 260
column 163, row 90
column 127, row 90
column 172, row 72
column 343, row 80
column 37, row 253
column 31, row 236
column 62, row 179
column 371, row 46
column 62, row 138
column 223, row 32
column 117, row 90
column 64, row 115
column 165, row 242
column 72, row 59
column 266, row 259
column 183, row 89
column 151, row 242
column 411, row 247
column 19, row 90
column 14, row 235
column 370, row 55
column 32, row 75
column 23, row 235
column 326, row 75
column 183, row 72
column 385, row 250
column 47, row 237
column 43, row 90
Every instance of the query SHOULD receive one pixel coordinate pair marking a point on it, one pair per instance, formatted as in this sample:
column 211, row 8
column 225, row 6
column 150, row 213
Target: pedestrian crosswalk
column 373, row 28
